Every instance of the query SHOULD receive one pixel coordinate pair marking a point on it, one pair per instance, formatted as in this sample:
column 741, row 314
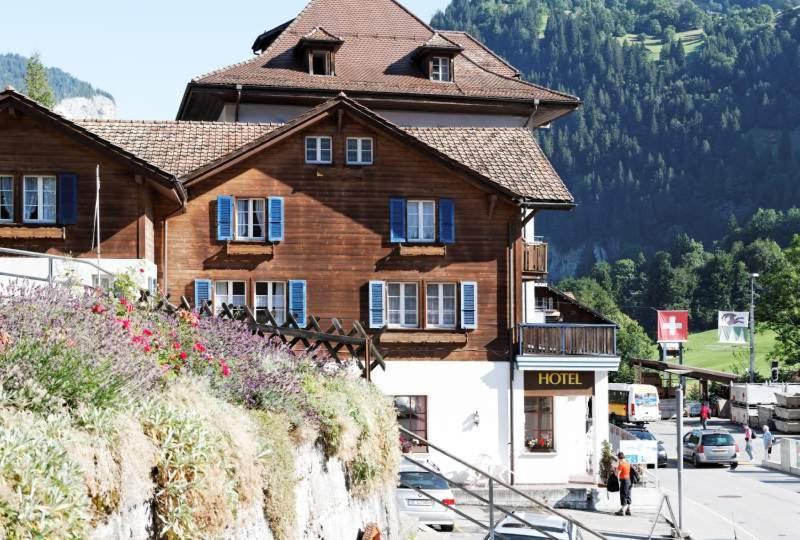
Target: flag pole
column 753, row 327
column 97, row 220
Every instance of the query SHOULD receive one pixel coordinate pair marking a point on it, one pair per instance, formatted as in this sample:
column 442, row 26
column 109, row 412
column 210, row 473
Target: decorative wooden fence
column 339, row 343
column 562, row 339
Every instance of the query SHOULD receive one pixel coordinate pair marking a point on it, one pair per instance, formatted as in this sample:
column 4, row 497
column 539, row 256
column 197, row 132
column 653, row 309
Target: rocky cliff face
column 325, row 508
column 99, row 107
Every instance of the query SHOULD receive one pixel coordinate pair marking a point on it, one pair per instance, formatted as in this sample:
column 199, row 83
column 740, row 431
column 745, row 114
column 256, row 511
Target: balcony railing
column 568, row 340
column 534, row 258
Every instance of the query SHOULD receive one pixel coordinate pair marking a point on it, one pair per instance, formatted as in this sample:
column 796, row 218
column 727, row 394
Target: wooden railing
column 534, row 258
column 568, row 339
column 336, row 341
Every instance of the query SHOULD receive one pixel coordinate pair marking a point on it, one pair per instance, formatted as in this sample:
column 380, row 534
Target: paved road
column 719, row 503
column 749, row 503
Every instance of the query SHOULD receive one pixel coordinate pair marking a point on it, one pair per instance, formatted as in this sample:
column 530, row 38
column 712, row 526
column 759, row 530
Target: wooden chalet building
column 361, row 166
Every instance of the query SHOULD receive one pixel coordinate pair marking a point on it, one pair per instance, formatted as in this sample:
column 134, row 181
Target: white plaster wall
column 253, row 112
column 64, row 269
column 455, row 390
column 599, row 418
column 529, row 313
column 569, row 459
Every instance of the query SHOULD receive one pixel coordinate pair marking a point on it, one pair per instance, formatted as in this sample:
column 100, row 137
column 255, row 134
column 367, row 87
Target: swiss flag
column 673, row 326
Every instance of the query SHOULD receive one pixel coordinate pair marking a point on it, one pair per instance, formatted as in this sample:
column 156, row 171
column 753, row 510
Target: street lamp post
column 752, row 327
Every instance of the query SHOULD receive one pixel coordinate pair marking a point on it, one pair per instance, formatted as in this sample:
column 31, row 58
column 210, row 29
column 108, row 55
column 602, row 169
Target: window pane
column 352, row 156
column 222, row 287
column 325, row 156
column 539, row 434
column 31, row 199
column 238, row 287
column 311, row 149
column 410, row 305
column 366, row 150
column 325, row 143
column 242, row 217
column 433, row 305
column 413, row 221
column 428, row 221
column 6, row 198
column 258, row 218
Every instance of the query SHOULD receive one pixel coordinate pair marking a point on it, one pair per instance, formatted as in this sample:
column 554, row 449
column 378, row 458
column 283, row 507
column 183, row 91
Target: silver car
column 547, row 526
column 703, row 446
column 415, row 504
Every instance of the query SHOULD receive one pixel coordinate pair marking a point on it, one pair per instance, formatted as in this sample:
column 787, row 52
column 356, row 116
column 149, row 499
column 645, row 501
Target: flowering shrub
column 218, row 405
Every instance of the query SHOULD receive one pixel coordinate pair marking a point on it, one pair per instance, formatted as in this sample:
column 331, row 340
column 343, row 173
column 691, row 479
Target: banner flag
column 673, row 326
column 732, row 327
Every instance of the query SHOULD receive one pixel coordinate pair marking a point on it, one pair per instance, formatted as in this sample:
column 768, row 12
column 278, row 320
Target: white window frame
column 402, row 305
column 328, row 63
column 318, row 160
column 39, row 198
column 249, row 237
column 10, row 178
column 440, row 310
column 267, row 301
column 420, row 204
column 229, row 297
column 441, row 69
column 359, row 141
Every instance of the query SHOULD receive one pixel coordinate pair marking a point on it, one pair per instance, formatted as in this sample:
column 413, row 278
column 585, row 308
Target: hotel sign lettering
column 559, row 380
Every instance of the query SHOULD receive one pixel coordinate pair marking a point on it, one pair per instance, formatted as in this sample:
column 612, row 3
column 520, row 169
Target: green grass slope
column 704, row 350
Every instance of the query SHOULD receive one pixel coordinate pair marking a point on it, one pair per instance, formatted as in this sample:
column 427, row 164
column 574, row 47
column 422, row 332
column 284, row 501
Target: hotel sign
column 578, row 382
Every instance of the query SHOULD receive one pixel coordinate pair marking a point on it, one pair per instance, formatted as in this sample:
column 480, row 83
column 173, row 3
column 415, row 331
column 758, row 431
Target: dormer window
column 320, row 63
column 319, row 48
column 441, row 69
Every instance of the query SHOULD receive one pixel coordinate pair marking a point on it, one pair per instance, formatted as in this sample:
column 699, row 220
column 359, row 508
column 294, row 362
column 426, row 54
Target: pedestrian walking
column 769, row 439
column 624, row 475
column 705, row 414
column 748, row 441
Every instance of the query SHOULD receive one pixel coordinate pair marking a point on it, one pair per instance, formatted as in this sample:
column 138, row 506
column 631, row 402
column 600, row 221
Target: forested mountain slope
column 64, row 85
column 673, row 137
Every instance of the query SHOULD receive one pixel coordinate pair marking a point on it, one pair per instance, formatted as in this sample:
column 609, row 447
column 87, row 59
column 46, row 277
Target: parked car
column 641, row 433
column 512, row 529
column 703, row 446
column 415, row 504
column 692, row 408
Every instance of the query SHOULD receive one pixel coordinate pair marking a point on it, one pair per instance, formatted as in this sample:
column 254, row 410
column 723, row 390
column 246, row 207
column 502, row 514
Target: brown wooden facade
column 337, row 237
column 33, row 144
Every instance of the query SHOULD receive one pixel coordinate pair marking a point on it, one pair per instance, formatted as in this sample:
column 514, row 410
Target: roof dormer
column 319, row 47
column 435, row 58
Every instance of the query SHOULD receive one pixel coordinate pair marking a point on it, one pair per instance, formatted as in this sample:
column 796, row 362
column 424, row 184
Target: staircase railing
column 50, row 264
column 574, row 526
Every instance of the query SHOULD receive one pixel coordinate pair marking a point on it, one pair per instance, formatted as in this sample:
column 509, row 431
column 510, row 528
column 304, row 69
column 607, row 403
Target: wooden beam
column 339, row 120
column 492, row 203
column 49, row 233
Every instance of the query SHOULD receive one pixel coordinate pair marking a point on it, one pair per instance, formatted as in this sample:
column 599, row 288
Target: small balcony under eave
column 534, row 259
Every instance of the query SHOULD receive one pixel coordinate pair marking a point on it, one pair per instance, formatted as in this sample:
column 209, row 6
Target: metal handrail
column 489, row 501
column 503, row 484
column 51, row 258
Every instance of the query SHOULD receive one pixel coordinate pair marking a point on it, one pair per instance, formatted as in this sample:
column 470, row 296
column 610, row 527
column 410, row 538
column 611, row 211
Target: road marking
column 714, row 512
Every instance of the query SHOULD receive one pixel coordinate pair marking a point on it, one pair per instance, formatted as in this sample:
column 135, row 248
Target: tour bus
column 632, row 403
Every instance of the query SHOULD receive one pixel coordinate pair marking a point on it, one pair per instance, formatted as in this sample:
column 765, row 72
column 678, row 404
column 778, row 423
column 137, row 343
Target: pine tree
column 36, row 83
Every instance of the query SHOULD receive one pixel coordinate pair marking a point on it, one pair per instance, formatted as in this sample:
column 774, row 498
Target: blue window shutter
column 202, row 292
column 469, row 305
column 276, row 219
column 67, row 211
column 224, row 217
column 397, row 220
column 377, row 293
column 297, row 301
column 447, row 221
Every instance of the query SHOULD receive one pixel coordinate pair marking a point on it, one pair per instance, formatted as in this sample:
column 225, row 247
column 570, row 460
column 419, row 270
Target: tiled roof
column 508, row 156
column 178, row 147
column 380, row 37
column 320, row 34
column 440, row 42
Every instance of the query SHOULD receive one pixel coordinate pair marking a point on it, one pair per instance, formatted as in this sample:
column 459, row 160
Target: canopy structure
column 687, row 371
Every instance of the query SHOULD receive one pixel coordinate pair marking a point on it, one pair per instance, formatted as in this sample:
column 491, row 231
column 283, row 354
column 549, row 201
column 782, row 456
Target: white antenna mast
column 96, row 224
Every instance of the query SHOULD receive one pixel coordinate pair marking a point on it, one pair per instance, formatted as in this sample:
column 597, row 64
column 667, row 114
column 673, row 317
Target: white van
column 632, row 403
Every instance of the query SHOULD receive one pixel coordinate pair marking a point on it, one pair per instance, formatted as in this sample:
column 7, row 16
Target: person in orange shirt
column 624, row 475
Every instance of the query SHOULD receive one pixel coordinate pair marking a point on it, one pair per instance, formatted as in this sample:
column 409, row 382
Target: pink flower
column 147, row 348
column 98, row 308
column 147, row 332
column 199, row 347
column 141, row 270
column 126, row 323
column 226, row 370
column 137, row 339
column 183, row 355
column 176, row 346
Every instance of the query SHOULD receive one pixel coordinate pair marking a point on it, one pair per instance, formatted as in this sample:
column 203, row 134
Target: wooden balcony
column 568, row 339
column 534, row 258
